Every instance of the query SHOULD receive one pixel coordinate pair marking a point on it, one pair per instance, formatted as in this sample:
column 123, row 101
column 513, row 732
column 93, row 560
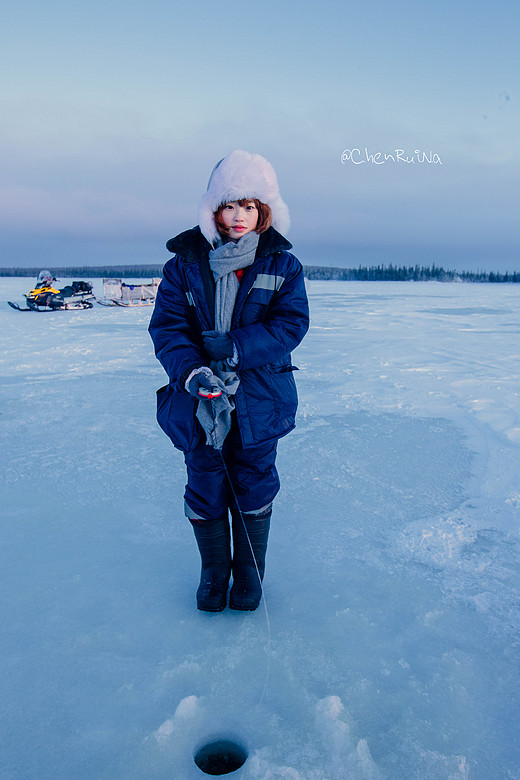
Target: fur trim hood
column 193, row 247
column 241, row 175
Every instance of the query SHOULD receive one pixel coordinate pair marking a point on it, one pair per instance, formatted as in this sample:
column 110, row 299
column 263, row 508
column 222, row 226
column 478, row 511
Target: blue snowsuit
column 270, row 318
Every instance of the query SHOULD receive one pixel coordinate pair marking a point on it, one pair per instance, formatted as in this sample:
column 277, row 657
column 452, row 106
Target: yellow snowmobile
column 45, row 297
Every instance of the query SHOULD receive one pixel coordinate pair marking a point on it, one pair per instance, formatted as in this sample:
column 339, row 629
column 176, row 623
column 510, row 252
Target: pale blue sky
column 113, row 115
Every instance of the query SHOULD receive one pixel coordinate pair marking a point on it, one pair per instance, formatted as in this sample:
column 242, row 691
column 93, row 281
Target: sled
column 118, row 293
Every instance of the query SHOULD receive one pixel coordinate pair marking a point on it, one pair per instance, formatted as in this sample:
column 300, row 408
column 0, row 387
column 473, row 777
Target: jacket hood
column 193, row 246
column 237, row 176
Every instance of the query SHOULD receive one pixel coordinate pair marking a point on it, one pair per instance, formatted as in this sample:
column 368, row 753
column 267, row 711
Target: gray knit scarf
column 224, row 260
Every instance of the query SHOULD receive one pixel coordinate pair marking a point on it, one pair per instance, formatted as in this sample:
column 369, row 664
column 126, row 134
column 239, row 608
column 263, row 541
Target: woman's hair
column 264, row 215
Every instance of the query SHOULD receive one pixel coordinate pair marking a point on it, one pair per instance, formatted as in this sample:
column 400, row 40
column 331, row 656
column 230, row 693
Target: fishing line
column 268, row 622
column 237, row 504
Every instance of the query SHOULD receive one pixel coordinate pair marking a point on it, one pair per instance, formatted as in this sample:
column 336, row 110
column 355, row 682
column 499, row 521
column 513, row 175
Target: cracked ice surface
column 392, row 581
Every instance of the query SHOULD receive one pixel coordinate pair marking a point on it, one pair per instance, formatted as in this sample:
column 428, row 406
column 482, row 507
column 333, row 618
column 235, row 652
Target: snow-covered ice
column 390, row 647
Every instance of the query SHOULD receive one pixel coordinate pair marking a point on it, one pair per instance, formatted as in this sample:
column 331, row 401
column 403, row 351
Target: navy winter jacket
column 270, row 318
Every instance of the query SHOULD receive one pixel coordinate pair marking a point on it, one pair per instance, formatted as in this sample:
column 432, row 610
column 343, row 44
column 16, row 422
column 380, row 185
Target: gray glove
column 204, row 379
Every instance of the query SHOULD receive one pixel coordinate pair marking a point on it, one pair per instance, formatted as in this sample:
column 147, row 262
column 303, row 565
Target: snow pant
column 252, row 472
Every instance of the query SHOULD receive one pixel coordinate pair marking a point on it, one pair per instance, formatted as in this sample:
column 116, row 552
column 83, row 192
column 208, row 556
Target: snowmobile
column 45, row 297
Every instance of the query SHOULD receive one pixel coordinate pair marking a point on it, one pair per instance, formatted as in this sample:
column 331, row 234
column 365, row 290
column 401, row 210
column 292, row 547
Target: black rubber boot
column 247, row 577
column 213, row 539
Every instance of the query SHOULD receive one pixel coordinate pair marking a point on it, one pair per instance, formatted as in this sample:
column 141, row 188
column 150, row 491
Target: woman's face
column 238, row 219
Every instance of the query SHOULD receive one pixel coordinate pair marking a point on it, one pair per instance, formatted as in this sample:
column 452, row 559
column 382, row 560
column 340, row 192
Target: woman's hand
column 219, row 346
column 202, row 378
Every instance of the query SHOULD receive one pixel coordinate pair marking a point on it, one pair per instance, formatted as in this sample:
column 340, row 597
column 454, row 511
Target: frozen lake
column 390, row 647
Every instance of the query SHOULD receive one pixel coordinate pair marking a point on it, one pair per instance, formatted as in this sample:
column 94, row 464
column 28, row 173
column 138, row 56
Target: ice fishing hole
column 220, row 757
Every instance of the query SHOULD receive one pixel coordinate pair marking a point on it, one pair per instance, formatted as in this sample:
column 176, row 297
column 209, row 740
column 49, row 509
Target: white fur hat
column 241, row 175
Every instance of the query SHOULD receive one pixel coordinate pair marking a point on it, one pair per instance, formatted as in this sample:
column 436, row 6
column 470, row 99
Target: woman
column 230, row 309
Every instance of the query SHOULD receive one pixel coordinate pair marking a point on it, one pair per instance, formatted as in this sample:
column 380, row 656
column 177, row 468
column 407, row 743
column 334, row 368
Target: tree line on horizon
column 373, row 273
column 401, row 273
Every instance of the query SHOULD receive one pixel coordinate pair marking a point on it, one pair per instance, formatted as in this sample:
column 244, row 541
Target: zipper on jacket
column 193, row 296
